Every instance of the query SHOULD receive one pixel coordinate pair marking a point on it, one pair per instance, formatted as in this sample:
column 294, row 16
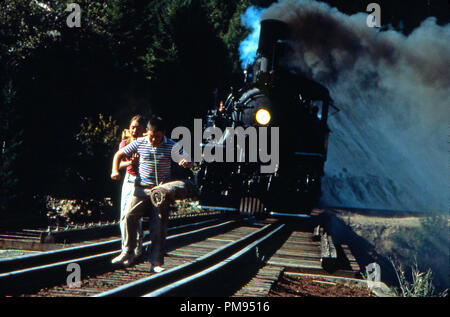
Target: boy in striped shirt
column 154, row 152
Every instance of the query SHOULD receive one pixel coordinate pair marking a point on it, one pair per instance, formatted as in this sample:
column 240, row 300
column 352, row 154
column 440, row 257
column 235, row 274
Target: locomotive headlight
column 262, row 116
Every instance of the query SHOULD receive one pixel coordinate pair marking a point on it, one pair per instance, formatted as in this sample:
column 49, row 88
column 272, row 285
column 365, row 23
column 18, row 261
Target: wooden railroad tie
column 328, row 256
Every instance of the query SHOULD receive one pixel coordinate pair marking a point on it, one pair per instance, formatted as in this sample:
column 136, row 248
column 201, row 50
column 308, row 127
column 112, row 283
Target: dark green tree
column 11, row 149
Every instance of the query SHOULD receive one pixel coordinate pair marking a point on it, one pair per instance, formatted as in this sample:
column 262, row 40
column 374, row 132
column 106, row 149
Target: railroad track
column 56, row 237
column 219, row 272
column 221, row 246
column 193, row 261
column 244, row 257
column 35, row 271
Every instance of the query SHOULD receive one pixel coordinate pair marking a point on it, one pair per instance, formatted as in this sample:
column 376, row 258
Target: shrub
column 421, row 284
column 99, row 140
column 425, row 250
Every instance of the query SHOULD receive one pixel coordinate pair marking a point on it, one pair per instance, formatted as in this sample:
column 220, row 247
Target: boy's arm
column 131, row 161
column 124, row 163
column 125, row 151
column 118, row 157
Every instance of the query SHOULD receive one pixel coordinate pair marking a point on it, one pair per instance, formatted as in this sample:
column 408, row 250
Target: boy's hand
column 185, row 163
column 115, row 175
column 135, row 159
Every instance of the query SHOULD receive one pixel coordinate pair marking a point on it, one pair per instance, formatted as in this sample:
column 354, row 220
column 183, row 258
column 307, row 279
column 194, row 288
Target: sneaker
column 123, row 257
column 156, row 269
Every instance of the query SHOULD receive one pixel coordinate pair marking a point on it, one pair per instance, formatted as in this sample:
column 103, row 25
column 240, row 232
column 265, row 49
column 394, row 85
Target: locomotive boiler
column 277, row 111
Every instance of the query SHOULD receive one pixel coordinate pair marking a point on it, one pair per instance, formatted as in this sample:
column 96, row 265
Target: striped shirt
column 154, row 161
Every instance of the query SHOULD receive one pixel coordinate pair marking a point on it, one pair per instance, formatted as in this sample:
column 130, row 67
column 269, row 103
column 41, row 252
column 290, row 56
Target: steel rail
column 174, row 275
column 54, row 273
column 289, row 215
column 216, row 269
column 48, row 257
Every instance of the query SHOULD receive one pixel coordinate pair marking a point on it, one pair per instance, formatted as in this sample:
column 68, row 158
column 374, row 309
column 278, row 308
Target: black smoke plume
column 389, row 143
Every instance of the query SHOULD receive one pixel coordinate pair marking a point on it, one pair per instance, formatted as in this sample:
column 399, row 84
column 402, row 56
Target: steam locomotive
column 294, row 112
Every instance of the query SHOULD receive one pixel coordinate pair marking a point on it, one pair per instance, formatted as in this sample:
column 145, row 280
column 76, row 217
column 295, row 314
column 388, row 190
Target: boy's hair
column 156, row 124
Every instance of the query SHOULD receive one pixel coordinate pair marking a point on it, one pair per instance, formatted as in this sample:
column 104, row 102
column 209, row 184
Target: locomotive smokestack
column 272, row 31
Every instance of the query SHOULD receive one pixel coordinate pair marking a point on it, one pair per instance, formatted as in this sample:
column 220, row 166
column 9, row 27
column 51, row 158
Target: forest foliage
column 127, row 57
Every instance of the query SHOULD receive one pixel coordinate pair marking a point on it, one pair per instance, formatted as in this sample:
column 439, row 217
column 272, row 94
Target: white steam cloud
column 389, row 143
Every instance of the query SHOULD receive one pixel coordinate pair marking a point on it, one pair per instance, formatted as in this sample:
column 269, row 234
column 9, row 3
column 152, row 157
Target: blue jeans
column 127, row 194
